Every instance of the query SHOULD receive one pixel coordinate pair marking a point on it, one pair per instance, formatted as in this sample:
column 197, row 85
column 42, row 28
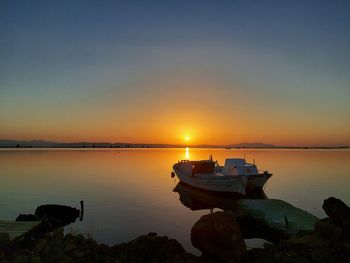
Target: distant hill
column 252, row 145
column 51, row 144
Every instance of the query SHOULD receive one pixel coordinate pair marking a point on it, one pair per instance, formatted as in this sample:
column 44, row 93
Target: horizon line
column 11, row 143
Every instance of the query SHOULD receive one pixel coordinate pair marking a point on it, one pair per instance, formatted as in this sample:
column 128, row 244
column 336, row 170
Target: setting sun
column 187, row 138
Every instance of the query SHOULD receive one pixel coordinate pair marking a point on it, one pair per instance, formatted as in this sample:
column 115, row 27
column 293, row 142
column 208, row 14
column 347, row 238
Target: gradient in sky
column 157, row 71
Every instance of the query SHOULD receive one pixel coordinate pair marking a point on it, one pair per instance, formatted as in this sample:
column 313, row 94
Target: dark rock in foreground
column 57, row 215
column 4, row 241
column 328, row 242
column 338, row 212
column 152, row 248
column 218, row 237
column 57, row 247
column 26, row 218
column 326, row 228
column 308, row 248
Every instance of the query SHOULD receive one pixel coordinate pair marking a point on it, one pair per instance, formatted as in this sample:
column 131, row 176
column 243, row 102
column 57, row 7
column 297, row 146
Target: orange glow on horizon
column 188, row 116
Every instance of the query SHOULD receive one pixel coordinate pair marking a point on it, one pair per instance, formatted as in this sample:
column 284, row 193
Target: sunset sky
column 218, row 72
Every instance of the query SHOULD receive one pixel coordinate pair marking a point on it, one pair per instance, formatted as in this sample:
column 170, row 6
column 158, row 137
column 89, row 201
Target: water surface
column 129, row 192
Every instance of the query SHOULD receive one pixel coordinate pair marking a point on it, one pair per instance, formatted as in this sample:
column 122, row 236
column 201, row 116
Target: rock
column 312, row 241
column 24, row 217
column 272, row 219
column 41, row 246
column 104, row 249
column 218, row 236
column 55, row 247
column 57, row 215
column 22, row 259
column 339, row 212
column 309, row 248
column 69, row 244
column 4, row 240
column 79, row 254
column 327, row 228
column 314, row 248
column 69, row 247
column 35, row 259
column 151, row 248
column 252, row 243
column 345, row 248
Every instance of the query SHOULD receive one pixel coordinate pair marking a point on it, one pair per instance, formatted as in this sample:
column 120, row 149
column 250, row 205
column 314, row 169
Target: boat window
column 207, row 167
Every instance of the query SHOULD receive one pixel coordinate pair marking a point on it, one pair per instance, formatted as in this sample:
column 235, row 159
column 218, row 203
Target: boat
column 236, row 176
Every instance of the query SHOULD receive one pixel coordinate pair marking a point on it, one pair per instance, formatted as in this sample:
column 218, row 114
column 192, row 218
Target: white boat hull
column 258, row 181
column 224, row 184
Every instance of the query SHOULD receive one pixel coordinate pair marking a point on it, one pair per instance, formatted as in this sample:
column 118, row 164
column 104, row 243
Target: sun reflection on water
column 187, row 153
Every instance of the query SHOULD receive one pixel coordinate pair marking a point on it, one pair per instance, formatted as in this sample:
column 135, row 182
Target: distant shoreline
column 126, row 145
column 174, row 147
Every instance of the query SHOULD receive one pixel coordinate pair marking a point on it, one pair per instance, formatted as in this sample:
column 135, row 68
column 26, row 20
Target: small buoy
column 172, row 174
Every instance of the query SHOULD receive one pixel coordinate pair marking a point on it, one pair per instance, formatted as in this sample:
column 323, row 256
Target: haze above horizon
column 175, row 72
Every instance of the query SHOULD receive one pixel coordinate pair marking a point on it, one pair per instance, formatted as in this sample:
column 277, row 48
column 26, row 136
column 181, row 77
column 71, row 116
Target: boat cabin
column 238, row 166
column 203, row 167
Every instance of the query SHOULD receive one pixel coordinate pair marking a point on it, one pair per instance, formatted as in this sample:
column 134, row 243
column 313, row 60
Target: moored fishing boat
column 236, row 176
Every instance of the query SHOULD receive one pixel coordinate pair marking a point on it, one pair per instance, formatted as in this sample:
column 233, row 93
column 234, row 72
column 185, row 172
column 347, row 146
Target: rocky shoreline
column 69, row 248
column 294, row 235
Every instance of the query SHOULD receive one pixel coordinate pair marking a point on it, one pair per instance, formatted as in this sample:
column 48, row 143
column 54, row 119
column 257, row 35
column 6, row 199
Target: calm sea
column 129, row 192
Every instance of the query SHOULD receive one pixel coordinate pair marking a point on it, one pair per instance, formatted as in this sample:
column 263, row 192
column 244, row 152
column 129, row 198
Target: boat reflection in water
column 198, row 199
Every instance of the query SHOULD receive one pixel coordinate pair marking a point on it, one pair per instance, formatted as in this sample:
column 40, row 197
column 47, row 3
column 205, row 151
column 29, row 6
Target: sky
column 217, row 72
